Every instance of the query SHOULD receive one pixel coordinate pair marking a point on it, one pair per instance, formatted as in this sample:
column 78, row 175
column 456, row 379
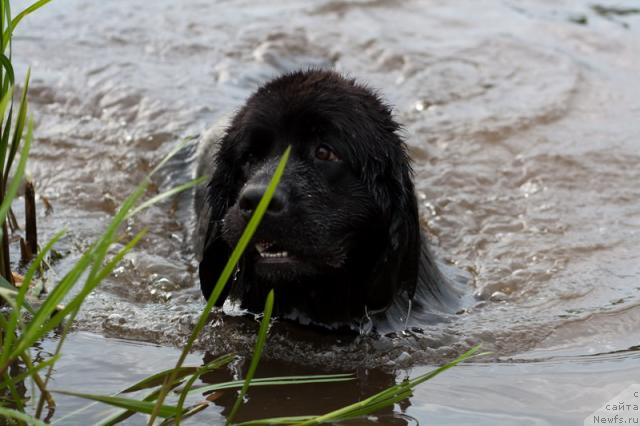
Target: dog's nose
column 251, row 196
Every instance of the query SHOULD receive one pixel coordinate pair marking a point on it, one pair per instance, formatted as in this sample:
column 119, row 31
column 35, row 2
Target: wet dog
column 341, row 239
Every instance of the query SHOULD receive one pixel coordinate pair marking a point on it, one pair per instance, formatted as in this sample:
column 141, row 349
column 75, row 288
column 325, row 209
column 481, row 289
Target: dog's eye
column 326, row 153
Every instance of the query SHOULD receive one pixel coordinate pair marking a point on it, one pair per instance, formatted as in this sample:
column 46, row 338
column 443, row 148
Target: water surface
column 521, row 118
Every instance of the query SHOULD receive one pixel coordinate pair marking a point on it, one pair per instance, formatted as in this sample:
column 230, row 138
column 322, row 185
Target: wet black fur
column 353, row 223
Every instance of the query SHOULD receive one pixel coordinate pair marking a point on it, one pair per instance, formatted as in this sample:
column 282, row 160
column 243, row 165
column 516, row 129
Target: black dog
column 341, row 238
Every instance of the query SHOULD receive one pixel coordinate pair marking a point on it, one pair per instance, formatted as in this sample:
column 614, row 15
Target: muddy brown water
column 523, row 122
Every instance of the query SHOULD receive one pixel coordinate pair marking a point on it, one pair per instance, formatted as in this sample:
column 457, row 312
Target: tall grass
column 10, row 143
column 23, row 325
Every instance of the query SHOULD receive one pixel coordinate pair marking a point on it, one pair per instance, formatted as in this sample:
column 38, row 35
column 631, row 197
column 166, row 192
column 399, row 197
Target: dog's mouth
column 272, row 252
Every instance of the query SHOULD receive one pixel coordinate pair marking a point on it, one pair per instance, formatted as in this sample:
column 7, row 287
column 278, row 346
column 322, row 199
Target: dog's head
column 341, row 233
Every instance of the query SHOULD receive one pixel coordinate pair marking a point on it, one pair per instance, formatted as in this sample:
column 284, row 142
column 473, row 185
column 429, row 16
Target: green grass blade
column 383, row 399
column 44, row 321
column 183, row 395
column 123, row 415
column 27, row 419
column 171, row 153
column 109, row 236
column 8, row 292
column 11, row 291
column 246, row 236
column 144, row 407
column 465, row 356
column 255, row 359
column 12, row 189
column 374, row 407
column 35, row 265
column 19, row 127
column 93, row 259
column 34, row 329
column 6, row 64
column 6, row 36
column 60, row 420
column 13, row 391
column 74, row 306
column 25, row 374
column 387, row 397
column 4, row 144
column 158, row 379
column 276, row 381
column 213, row 365
column 96, row 276
column 20, row 298
column 277, row 421
column 123, row 213
column 7, row 79
column 3, row 322
column 167, row 194
column 111, row 265
column 2, row 21
column 4, row 102
column 76, row 302
column 6, row 14
column 191, row 411
column 119, row 416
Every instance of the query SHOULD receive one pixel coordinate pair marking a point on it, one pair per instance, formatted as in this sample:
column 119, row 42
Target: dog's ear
column 397, row 266
column 221, row 193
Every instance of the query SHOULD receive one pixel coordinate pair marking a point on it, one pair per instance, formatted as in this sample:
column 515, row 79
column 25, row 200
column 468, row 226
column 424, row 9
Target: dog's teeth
column 274, row 255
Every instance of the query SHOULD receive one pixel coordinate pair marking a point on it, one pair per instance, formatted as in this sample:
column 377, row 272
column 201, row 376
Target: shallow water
column 522, row 120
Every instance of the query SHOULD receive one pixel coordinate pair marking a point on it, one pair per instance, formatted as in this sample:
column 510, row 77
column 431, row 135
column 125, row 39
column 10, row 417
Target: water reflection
column 298, row 400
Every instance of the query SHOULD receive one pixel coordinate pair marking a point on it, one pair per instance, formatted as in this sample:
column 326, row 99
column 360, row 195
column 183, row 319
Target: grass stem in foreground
column 257, row 353
column 237, row 252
